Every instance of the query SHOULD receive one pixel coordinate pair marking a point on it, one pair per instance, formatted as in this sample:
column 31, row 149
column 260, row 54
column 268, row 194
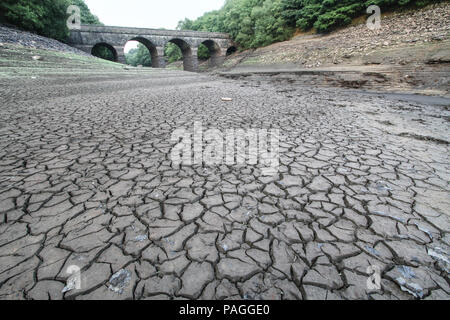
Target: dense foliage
column 325, row 15
column 44, row 17
column 255, row 23
column 252, row 23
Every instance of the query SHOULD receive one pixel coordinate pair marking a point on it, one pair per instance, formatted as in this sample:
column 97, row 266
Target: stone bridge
column 115, row 38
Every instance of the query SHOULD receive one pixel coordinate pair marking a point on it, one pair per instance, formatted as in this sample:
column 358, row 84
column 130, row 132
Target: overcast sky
column 150, row 13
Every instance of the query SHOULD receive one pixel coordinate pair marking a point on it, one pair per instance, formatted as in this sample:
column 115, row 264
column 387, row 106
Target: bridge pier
column 158, row 60
column 218, row 58
column 190, row 60
column 120, row 54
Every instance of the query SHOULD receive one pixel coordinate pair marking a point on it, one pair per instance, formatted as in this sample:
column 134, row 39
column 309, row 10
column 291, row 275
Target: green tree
column 251, row 23
column 186, row 24
column 45, row 17
column 326, row 15
column 269, row 24
column 86, row 15
column 139, row 56
column 172, row 52
column 203, row 52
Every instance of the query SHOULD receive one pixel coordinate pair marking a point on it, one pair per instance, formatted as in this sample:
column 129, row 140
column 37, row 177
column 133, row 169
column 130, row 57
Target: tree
column 139, row 56
column 203, row 52
column 86, row 15
column 45, row 17
column 269, row 24
column 251, row 23
column 172, row 52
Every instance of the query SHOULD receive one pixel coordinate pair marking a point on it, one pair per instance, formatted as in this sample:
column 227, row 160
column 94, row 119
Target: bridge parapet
column 157, row 32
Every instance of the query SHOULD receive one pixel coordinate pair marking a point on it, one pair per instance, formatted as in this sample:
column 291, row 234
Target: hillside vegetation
column 44, row 17
column 256, row 23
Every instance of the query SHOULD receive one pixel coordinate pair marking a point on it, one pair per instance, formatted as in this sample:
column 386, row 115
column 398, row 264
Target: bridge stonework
column 155, row 40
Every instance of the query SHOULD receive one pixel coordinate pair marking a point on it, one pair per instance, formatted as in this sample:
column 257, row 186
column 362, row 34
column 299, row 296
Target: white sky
column 149, row 13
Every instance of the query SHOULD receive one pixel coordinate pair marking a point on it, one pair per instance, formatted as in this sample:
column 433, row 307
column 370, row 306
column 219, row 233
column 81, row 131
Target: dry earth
column 86, row 180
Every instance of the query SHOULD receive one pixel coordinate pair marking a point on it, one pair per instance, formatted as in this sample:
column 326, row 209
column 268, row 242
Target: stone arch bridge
column 115, row 38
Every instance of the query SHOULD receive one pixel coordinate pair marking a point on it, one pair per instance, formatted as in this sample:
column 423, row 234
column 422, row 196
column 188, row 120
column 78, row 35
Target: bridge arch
column 105, row 51
column 231, row 50
column 214, row 52
column 152, row 49
column 189, row 61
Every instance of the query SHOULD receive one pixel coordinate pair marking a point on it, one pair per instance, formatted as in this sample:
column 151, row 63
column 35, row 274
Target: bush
column 338, row 18
column 331, row 20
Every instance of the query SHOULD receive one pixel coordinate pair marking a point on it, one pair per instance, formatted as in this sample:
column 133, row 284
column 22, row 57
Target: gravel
column 31, row 40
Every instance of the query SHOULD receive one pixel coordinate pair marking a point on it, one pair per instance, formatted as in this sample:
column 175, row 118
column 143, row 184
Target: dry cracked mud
column 86, row 180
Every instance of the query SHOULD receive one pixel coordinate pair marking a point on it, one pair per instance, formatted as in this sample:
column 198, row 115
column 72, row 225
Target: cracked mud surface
column 86, row 180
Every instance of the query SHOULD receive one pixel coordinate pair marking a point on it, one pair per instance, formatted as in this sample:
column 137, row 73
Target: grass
column 17, row 61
